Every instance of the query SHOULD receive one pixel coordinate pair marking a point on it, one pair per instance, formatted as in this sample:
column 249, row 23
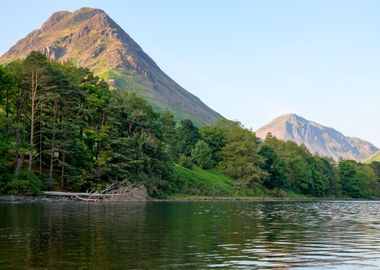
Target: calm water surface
column 191, row 235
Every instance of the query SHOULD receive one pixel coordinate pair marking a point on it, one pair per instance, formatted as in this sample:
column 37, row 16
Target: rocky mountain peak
column 317, row 138
column 90, row 38
column 54, row 20
column 64, row 19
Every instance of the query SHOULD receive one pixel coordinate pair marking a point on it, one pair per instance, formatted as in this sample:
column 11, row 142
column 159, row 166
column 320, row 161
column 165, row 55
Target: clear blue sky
column 250, row 60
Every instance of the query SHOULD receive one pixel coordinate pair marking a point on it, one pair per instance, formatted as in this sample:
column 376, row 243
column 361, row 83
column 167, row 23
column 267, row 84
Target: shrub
column 186, row 161
column 27, row 181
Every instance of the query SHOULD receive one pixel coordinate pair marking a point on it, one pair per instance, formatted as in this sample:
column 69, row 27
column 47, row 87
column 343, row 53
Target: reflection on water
column 191, row 235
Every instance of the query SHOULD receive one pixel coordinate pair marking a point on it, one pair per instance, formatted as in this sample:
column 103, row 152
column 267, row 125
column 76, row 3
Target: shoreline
column 32, row 199
column 261, row 199
column 183, row 198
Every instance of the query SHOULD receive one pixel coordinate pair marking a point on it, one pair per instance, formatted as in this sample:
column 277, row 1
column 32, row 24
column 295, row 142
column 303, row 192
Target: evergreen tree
column 169, row 133
column 187, row 136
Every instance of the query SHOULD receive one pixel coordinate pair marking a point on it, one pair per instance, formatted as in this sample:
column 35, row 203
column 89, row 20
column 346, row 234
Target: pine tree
column 187, row 137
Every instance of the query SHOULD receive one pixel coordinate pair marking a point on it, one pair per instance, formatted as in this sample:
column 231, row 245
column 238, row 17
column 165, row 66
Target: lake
column 190, row 235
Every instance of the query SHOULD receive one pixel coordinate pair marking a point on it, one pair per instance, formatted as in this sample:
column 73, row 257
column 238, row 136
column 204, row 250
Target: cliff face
column 318, row 139
column 90, row 38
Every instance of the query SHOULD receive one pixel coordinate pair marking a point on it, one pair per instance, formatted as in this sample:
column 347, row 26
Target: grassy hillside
column 375, row 157
column 196, row 181
column 132, row 82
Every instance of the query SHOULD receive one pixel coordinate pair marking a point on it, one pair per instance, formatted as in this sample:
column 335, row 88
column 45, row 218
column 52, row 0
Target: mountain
column 375, row 157
column 90, row 38
column 318, row 139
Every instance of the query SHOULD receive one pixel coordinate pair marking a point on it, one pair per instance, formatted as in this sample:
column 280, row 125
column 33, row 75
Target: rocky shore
column 31, row 199
column 119, row 194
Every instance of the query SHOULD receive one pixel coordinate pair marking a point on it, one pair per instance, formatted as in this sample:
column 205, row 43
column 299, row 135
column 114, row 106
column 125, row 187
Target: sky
column 250, row 60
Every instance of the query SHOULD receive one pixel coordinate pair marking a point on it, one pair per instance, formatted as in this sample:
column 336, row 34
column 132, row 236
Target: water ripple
column 203, row 235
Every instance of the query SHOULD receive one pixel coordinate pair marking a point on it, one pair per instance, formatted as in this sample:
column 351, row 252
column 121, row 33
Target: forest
column 62, row 128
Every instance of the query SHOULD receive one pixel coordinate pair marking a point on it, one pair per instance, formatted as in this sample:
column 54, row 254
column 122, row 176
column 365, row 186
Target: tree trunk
column 52, row 152
column 63, row 171
column 33, row 97
column 7, row 110
column 19, row 156
column 19, row 163
column 40, row 144
column 7, row 104
column 40, row 155
column 51, row 167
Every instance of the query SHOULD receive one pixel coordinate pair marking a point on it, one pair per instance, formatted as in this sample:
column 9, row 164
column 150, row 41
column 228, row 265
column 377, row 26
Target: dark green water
column 191, row 235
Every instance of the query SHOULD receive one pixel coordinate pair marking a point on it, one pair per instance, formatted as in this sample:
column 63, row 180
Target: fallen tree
column 121, row 191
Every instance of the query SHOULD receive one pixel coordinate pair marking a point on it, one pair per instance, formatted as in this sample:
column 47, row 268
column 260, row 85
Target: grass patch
column 196, row 181
column 374, row 158
column 199, row 184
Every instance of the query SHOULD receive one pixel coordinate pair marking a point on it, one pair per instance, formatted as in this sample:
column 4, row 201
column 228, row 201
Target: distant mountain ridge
column 90, row 38
column 317, row 138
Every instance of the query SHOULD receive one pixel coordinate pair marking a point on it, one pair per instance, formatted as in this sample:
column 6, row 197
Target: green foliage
column 26, row 181
column 358, row 180
column 61, row 127
column 32, row 182
column 169, row 133
column 348, row 176
column 84, row 134
column 15, row 186
column 293, row 167
column 187, row 136
column 240, row 156
column 201, row 155
column 376, row 169
column 186, row 161
column 278, row 177
column 215, row 138
column 301, row 175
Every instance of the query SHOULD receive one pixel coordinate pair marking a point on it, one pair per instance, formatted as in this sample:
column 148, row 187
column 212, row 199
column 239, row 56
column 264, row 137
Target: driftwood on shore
column 122, row 191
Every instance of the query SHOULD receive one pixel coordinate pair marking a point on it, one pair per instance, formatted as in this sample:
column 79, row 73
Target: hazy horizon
column 251, row 60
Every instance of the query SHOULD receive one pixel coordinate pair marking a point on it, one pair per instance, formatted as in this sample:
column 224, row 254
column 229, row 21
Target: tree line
column 63, row 128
